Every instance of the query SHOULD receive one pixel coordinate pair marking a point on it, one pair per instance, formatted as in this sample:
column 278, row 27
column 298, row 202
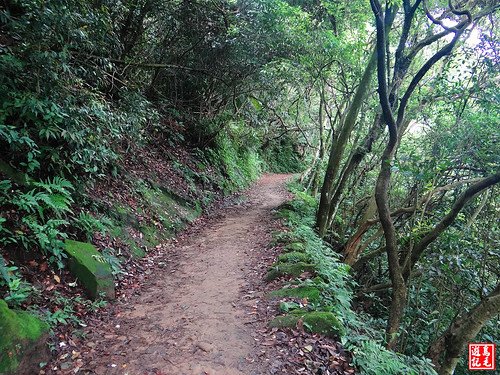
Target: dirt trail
column 192, row 318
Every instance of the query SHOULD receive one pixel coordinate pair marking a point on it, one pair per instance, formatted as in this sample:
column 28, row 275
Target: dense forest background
column 112, row 110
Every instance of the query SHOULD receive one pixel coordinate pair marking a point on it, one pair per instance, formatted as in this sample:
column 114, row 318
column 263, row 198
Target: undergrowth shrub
column 240, row 165
column 18, row 290
column 282, row 157
column 37, row 216
column 364, row 335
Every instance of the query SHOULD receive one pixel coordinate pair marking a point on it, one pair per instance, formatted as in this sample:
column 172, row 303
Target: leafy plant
column 373, row 359
column 109, row 257
column 18, row 289
column 68, row 309
column 42, row 211
column 365, row 335
column 89, row 224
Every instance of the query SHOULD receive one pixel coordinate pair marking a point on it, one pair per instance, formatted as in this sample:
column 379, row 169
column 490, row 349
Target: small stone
column 65, row 365
column 281, row 336
column 205, row 346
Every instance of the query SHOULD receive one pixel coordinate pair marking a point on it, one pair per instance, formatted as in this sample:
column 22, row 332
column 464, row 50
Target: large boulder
column 91, row 269
column 23, row 341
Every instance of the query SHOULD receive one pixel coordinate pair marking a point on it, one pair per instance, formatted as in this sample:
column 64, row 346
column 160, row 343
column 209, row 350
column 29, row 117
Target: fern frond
column 58, row 184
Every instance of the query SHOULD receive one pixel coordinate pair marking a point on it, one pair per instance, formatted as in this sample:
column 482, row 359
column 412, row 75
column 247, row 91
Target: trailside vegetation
column 120, row 121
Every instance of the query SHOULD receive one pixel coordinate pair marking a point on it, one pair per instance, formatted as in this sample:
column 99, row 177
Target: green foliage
column 67, row 308
column 373, row 359
column 283, row 157
column 54, row 117
column 110, row 257
column 238, row 164
column 363, row 336
column 293, row 257
column 89, row 224
column 42, row 213
column 18, row 290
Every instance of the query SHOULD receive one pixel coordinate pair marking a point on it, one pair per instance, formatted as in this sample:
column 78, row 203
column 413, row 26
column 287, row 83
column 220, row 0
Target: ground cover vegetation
column 121, row 120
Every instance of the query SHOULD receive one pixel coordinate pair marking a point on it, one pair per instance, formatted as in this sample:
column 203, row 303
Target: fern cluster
column 36, row 217
column 364, row 336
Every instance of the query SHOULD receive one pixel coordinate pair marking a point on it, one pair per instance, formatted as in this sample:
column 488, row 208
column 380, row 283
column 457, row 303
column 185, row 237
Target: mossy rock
column 284, row 237
column 293, row 257
column 23, row 341
column 289, row 269
column 312, row 293
column 92, row 271
column 286, row 206
column 322, row 322
column 299, row 247
column 285, row 214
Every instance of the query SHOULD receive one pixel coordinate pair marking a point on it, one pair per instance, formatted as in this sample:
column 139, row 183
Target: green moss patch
column 124, row 215
column 164, row 202
column 22, row 341
column 325, row 323
column 136, row 251
column 151, row 235
column 312, row 293
column 288, row 269
column 91, row 269
column 284, row 237
column 295, row 247
column 293, row 257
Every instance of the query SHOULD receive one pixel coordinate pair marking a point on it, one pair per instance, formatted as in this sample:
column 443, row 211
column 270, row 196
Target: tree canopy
column 388, row 110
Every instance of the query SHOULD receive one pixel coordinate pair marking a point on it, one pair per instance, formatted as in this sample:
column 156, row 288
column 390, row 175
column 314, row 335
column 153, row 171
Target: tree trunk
column 452, row 344
column 399, row 288
column 350, row 251
column 395, row 125
column 315, row 175
column 339, row 145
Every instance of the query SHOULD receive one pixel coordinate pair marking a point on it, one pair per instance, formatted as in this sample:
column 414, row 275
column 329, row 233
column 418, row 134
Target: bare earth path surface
column 192, row 317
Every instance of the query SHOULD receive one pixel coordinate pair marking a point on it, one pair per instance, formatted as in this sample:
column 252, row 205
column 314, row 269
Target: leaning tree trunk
column 452, row 344
column 353, row 162
column 339, row 145
column 315, row 174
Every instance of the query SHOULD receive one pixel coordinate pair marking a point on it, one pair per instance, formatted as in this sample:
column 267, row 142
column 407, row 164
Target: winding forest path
column 192, row 317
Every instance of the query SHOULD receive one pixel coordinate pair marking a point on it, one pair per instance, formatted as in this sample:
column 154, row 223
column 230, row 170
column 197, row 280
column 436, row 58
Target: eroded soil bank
column 194, row 316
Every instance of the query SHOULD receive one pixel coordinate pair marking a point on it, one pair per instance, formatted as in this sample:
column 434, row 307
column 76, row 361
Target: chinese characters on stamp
column 482, row 356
